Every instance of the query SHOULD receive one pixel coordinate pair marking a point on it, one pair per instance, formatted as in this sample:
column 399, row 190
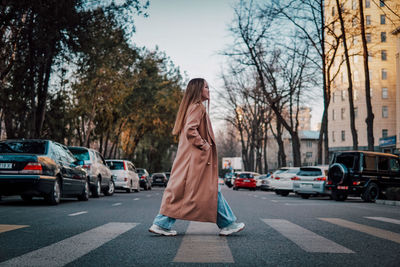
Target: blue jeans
column 225, row 215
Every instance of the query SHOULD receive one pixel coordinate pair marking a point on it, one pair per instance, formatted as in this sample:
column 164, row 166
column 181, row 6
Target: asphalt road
column 280, row 231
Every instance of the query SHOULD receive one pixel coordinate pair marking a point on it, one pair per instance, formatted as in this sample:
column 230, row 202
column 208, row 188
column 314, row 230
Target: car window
column 99, row 159
column 115, row 165
column 62, row 153
column 394, row 165
column 246, row 175
column 383, row 163
column 347, row 160
column 369, row 163
column 130, row 167
column 293, row 171
column 30, row 147
column 80, row 153
column 310, row 172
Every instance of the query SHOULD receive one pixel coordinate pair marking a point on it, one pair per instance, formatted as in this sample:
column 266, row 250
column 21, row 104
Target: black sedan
column 40, row 168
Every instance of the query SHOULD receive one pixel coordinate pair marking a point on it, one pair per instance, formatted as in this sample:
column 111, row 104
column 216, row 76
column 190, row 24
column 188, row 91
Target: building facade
column 380, row 24
column 396, row 33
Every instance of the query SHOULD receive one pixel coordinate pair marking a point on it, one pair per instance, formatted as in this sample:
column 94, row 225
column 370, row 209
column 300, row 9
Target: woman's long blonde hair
column 192, row 95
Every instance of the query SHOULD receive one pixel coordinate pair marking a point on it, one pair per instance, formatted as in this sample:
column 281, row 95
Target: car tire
column 26, row 198
column 149, row 187
column 84, row 196
column 285, row 193
column 277, row 192
column 339, row 196
column 304, row 196
column 371, row 193
column 55, row 194
column 109, row 191
column 97, row 189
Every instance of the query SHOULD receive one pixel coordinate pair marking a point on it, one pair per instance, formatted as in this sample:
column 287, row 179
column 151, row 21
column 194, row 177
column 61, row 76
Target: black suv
column 362, row 173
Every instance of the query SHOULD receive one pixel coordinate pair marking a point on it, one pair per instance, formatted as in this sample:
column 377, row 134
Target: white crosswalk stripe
column 384, row 219
column 388, row 235
column 304, row 238
column 70, row 249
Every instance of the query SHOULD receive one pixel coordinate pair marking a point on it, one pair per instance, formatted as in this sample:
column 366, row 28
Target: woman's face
column 205, row 94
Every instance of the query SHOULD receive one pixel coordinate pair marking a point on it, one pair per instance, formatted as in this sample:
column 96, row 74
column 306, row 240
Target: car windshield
column 140, row 171
column 29, row 147
column 246, row 175
column 310, row 172
column 280, row 171
column 80, row 153
column 293, row 171
column 115, row 165
column 346, row 159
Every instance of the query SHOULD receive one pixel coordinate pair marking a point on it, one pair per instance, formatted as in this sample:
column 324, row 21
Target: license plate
column 5, row 165
column 246, row 181
column 306, row 185
column 343, row 187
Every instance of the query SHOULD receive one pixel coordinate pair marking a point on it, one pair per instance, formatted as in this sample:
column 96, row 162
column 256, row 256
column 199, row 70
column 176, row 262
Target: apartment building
column 396, row 33
column 380, row 23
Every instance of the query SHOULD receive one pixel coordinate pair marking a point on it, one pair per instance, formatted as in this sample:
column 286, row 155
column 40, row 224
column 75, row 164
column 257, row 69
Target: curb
column 388, row 202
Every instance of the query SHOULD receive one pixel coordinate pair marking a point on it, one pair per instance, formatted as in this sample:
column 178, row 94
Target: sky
column 192, row 33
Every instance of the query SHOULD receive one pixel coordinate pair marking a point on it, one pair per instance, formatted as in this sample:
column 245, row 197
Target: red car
column 245, row 180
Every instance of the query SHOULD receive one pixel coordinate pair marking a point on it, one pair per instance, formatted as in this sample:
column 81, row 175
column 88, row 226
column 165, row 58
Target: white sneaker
column 161, row 231
column 232, row 228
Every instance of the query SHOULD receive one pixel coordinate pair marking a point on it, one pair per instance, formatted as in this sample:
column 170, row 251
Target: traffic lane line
column 384, row 234
column 77, row 213
column 136, row 198
column 70, row 249
column 116, row 204
column 10, row 227
column 305, row 239
column 384, row 219
column 201, row 244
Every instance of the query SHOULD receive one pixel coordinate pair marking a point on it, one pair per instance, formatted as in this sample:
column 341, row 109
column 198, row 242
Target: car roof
column 369, row 153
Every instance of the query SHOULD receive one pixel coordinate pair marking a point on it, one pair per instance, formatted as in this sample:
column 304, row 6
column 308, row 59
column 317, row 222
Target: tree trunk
column 350, row 89
column 370, row 115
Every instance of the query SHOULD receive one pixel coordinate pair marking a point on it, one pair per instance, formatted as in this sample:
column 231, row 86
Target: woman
column 192, row 192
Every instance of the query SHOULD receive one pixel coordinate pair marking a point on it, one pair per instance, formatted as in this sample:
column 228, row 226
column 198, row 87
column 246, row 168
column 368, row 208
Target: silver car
column 125, row 175
column 311, row 181
column 100, row 177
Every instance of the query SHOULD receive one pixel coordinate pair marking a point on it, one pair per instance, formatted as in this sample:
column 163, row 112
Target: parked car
column 310, row 181
column 40, row 168
column 99, row 175
column 125, row 176
column 144, row 178
column 275, row 175
column 265, row 182
column 159, row 179
column 362, row 173
column 245, row 180
column 168, row 174
column 259, row 179
column 283, row 182
column 228, row 179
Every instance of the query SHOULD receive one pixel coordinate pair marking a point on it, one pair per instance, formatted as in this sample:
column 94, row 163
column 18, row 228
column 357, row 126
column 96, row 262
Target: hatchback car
column 125, row 176
column 310, row 181
column 159, row 179
column 245, row 180
column 40, row 168
column 283, row 182
column 144, row 178
column 99, row 175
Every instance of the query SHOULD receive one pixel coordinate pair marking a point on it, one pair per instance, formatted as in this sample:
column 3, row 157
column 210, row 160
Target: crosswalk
column 201, row 243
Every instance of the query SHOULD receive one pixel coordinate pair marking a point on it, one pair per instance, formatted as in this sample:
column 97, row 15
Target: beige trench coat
column 192, row 190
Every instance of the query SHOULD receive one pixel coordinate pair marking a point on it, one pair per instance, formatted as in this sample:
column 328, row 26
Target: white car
column 283, row 182
column 275, row 174
column 125, row 175
column 311, row 181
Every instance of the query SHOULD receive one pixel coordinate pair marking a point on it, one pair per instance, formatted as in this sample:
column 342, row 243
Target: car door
column 65, row 169
column 77, row 177
column 104, row 170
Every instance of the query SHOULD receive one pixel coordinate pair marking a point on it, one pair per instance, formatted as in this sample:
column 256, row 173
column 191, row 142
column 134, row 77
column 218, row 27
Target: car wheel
column 339, row 196
column 97, row 189
column 84, row 196
column 149, row 187
column 110, row 189
column 371, row 193
column 55, row 195
column 277, row 192
column 305, row 196
column 284, row 193
column 26, row 198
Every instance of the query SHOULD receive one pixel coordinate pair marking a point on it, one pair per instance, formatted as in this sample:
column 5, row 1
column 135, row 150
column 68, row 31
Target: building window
column 384, row 74
column 333, row 114
column 342, row 77
column 385, row 112
column 333, row 97
column 368, row 37
column 385, row 93
column 333, row 11
column 384, row 55
column 354, row 5
column 343, row 92
column 383, row 19
column 343, row 136
column 367, row 3
column 384, row 133
column 309, row 143
column 308, row 154
column 368, row 20
column 342, row 112
column 355, row 112
column 381, row 3
column 333, row 136
column 383, row 37
column 354, row 22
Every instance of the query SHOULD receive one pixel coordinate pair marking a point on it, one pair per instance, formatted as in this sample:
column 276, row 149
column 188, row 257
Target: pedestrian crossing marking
column 201, row 244
column 384, row 219
column 10, row 227
column 304, row 238
column 72, row 248
column 388, row 235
